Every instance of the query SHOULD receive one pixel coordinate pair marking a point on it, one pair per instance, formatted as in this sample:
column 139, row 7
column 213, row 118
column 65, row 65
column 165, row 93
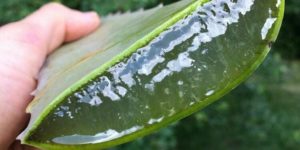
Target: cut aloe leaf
column 141, row 71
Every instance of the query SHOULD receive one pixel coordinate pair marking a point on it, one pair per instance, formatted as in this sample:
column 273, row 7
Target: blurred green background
column 263, row 113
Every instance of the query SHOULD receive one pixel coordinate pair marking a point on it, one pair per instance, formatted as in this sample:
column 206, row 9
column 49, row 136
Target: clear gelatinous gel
column 193, row 59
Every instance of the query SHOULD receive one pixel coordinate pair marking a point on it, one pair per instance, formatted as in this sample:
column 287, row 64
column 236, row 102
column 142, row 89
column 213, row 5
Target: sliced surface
column 193, row 63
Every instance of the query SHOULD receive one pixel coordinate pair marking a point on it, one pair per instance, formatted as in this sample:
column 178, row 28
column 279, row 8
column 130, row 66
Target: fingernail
column 92, row 18
column 91, row 15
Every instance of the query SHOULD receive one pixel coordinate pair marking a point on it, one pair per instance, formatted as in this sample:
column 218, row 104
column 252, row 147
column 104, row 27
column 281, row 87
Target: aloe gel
column 189, row 58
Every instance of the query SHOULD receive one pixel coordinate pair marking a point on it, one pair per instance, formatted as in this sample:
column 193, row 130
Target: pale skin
column 24, row 46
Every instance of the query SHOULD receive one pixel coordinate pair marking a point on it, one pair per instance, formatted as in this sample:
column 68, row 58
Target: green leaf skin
column 144, row 70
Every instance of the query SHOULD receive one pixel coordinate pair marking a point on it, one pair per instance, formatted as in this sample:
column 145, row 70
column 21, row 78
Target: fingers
column 46, row 29
column 24, row 46
column 55, row 24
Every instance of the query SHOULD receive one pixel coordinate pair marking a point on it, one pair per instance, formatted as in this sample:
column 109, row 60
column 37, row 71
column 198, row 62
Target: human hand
column 24, row 46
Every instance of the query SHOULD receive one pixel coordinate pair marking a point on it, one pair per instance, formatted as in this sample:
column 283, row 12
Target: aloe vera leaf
column 153, row 68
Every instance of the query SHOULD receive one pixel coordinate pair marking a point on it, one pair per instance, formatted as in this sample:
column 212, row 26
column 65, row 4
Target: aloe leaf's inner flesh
column 198, row 57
